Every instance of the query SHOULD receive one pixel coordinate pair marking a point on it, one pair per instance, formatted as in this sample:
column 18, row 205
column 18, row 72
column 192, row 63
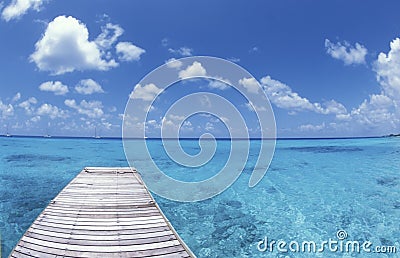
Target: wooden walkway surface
column 103, row 212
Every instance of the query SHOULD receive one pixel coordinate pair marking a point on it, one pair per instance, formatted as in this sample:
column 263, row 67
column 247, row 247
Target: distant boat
column 95, row 134
column 7, row 133
column 47, row 135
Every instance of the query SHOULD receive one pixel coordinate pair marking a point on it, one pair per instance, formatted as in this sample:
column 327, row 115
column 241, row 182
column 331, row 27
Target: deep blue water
column 312, row 189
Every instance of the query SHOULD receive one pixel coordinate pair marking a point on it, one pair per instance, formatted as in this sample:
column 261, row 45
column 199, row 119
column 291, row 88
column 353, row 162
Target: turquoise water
column 313, row 189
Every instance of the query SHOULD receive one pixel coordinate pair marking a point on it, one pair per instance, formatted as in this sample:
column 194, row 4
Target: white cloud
column 345, row 52
column 88, row 86
column 28, row 105
column 173, row 63
column 92, row 109
column 250, row 84
column 209, row 126
column 54, row 86
column 375, row 112
column 313, row 128
column 219, row 83
column 16, row 97
column 52, row 111
column 216, row 84
column 282, row 96
column 254, row 49
column 234, row 59
column 108, row 36
column 35, row 119
column 65, row 47
column 17, row 8
column 147, row 93
column 387, row 68
column 333, row 107
column 193, row 70
column 183, row 51
column 252, row 107
column 128, row 52
column 6, row 110
column 382, row 111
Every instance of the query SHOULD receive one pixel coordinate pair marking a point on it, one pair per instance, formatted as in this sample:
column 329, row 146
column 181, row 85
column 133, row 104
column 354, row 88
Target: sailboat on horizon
column 7, row 132
column 47, row 135
column 95, row 133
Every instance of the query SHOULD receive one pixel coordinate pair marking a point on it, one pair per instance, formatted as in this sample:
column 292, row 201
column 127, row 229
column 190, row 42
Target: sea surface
column 312, row 190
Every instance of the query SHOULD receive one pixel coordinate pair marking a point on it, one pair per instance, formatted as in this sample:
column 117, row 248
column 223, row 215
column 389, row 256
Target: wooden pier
column 103, row 212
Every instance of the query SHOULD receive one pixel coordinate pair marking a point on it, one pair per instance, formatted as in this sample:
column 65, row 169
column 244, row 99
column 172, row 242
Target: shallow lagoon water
column 312, row 189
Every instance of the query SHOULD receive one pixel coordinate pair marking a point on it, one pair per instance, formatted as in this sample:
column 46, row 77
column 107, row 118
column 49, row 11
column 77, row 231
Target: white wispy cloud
column 312, row 128
column 16, row 97
column 17, row 8
column 88, row 86
column 183, row 51
column 92, row 109
column 347, row 53
column 54, row 86
column 65, row 47
column 128, row 52
column 284, row 97
column 108, row 36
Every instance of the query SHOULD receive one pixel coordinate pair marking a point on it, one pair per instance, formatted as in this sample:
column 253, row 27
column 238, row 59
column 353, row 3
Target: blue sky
column 330, row 68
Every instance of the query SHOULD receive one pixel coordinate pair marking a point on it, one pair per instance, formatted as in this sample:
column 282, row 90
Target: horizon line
column 193, row 138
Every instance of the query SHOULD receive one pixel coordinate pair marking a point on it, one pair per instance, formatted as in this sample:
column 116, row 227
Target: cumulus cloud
column 344, row 51
column 375, row 112
column 18, row 8
column 88, row 86
column 382, row 110
column 65, row 47
column 128, row 52
column 147, row 92
column 6, row 110
column 92, row 109
column 387, row 68
column 52, row 111
column 193, row 70
column 250, row 84
column 54, row 86
column 183, row 51
column 28, row 105
column 173, row 63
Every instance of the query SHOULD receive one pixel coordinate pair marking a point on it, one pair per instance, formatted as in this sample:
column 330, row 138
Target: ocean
column 314, row 191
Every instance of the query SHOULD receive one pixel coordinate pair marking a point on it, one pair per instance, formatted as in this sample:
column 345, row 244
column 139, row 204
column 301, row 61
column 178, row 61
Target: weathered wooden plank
column 103, row 212
column 101, row 232
column 114, row 237
column 103, row 248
